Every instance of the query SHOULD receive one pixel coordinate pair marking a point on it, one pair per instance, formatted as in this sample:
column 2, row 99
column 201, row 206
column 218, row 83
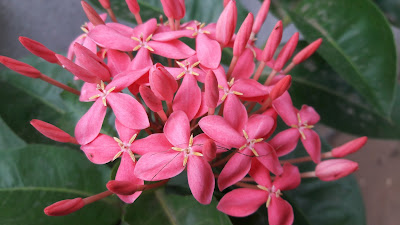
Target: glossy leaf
column 160, row 208
column 315, row 83
column 391, row 9
column 8, row 139
column 358, row 44
column 36, row 176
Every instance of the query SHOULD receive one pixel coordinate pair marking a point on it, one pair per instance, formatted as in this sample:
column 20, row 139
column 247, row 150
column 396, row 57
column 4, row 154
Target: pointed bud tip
column 334, row 169
column 52, row 132
column 20, row 67
column 122, row 187
column 307, row 51
column 91, row 14
column 280, row 87
column 64, row 207
column 349, row 147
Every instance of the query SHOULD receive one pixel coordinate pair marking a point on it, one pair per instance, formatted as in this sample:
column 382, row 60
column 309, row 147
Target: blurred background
column 56, row 23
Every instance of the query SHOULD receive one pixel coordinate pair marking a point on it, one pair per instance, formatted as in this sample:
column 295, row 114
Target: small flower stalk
column 190, row 114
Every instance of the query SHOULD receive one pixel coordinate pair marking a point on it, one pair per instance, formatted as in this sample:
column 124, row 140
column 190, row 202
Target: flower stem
column 59, row 84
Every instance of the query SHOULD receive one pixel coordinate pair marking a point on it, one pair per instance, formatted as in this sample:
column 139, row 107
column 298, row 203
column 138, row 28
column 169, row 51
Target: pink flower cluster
column 198, row 117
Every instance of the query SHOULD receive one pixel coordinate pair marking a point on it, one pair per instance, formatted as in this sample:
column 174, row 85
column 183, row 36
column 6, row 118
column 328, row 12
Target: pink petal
column 221, row 131
column 280, row 212
column 88, row 90
column 308, row 115
column 89, row 44
column 249, row 88
column 152, row 143
column 89, row 126
column 123, row 29
column 235, row 113
column 146, row 28
column 245, row 66
column 162, row 83
column 259, row 126
column 236, row 169
column 174, row 71
column 79, row 39
column 285, row 142
column 117, row 61
column 171, row 49
column 78, row 71
column 208, row 51
column 124, row 133
column 107, row 37
column 126, row 78
column 289, row 179
column 312, row 144
column 242, row 202
column 128, row 111
column 177, row 129
column 259, row 173
column 203, row 109
column 172, row 35
column 126, row 173
column 201, row 179
column 267, row 156
column 159, row 166
column 141, row 60
column 90, row 61
column 150, row 99
column 284, row 107
column 188, row 97
column 101, row 150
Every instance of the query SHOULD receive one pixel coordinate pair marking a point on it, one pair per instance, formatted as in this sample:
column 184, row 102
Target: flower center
column 228, row 91
column 301, row 126
column 187, row 151
column 187, row 68
column 198, row 28
column 125, row 147
column 103, row 92
column 142, row 42
column 273, row 191
column 250, row 143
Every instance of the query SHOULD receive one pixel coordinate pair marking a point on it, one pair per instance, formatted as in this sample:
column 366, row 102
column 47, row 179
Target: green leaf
column 36, row 176
column 358, row 44
column 160, row 208
column 315, row 83
column 8, row 139
column 330, row 203
column 206, row 11
column 391, row 9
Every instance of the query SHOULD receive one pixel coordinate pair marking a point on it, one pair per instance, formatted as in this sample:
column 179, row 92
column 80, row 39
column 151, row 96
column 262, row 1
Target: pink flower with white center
column 173, row 151
column 245, row 201
column 301, row 123
column 104, row 149
column 247, row 136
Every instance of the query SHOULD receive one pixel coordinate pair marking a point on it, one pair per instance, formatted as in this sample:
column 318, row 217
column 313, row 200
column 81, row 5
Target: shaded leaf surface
column 8, row 139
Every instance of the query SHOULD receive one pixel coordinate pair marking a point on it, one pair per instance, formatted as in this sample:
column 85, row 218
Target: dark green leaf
column 160, row 208
column 315, row 83
column 358, row 44
column 8, row 139
column 36, row 176
column 391, row 8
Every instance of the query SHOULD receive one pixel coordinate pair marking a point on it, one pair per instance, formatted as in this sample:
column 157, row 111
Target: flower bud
column 133, row 6
column 64, row 207
column 150, row 99
column 335, row 169
column 307, row 51
column 211, row 92
column 162, row 83
column 226, row 23
column 174, row 8
column 286, row 52
column 261, row 16
column 20, row 67
column 105, row 4
column 273, row 42
column 349, row 148
column 243, row 35
column 52, row 132
column 280, row 87
column 90, row 61
column 38, row 49
column 209, row 150
column 78, row 71
column 121, row 187
column 91, row 14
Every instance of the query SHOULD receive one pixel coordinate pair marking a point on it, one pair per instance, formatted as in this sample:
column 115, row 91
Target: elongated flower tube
column 91, row 14
column 174, row 8
column 227, row 23
column 52, row 132
column 334, row 169
column 261, row 16
column 349, row 148
column 38, row 49
column 20, row 67
column 64, row 207
column 243, row 35
column 273, row 42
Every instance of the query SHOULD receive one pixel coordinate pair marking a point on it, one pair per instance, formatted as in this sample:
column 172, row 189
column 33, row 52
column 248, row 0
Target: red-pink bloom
column 117, row 61
column 172, row 151
column 227, row 23
column 105, row 3
column 261, row 16
column 38, row 49
column 248, row 136
column 20, row 67
column 273, row 42
column 307, row 51
column 91, row 14
column 245, row 201
column 174, row 8
column 162, row 83
column 349, row 148
column 211, row 90
column 301, row 123
column 243, row 35
column 133, row 6
column 188, row 97
column 335, row 169
column 286, row 52
column 52, row 132
column 64, row 207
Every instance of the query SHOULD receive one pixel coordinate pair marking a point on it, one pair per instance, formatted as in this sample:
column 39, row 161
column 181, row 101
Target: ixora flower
column 217, row 125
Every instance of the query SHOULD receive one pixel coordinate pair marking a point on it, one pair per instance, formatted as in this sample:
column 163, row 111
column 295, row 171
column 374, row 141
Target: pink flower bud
column 280, row 87
column 133, row 6
column 162, row 83
column 78, row 71
column 174, row 8
column 90, row 61
column 105, row 4
column 64, row 207
column 91, row 14
column 150, row 99
column 226, row 2
column 122, row 187
column 211, row 93
column 335, row 169
column 226, row 23
column 261, row 16
column 273, row 42
column 286, row 52
column 52, row 132
column 243, row 36
column 349, row 148
column 307, row 51
column 209, row 150
column 38, row 49
column 20, row 67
